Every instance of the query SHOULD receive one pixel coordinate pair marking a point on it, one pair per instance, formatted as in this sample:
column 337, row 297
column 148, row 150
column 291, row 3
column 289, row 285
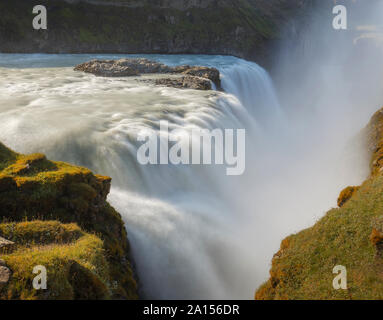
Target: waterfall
column 183, row 223
column 194, row 231
column 254, row 88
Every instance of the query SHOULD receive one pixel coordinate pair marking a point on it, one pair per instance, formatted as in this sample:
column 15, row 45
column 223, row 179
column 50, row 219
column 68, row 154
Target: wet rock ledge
column 190, row 77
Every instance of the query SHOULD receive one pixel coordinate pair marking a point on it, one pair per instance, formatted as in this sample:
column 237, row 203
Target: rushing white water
column 195, row 232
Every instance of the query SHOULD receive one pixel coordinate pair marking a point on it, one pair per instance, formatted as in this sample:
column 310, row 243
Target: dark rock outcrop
column 204, row 72
column 107, row 68
column 241, row 28
column 195, row 77
column 187, row 82
column 123, row 67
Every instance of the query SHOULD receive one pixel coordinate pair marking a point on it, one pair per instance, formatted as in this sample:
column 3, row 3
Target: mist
column 329, row 83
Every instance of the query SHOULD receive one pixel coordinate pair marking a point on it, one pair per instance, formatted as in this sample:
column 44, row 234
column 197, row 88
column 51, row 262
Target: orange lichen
column 346, row 194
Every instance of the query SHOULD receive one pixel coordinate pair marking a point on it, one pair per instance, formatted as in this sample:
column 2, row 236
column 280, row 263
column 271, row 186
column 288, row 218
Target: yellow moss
column 346, row 194
column 265, row 292
column 40, row 232
column 86, row 253
column 34, row 188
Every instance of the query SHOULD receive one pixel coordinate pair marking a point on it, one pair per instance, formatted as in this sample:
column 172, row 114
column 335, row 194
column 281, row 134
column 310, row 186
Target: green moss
column 7, row 156
column 34, row 188
column 77, row 267
column 40, row 232
column 304, row 269
column 349, row 236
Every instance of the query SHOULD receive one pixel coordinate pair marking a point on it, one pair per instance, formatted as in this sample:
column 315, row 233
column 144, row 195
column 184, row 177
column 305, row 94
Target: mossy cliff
column 351, row 236
column 58, row 217
column 236, row 27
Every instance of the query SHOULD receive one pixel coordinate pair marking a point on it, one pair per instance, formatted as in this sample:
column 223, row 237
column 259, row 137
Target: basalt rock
column 194, row 76
column 187, row 82
column 204, row 72
column 123, row 67
column 245, row 28
column 107, row 68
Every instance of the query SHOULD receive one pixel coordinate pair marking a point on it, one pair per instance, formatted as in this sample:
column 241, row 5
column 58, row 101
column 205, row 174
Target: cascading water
column 195, row 232
column 181, row 222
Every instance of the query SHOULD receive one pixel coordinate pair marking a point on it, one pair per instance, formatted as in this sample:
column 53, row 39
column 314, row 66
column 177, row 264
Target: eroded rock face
column 163, row 27
column 122, row 67
column 204, row 72
column 186, row 82
column 107, row 68
column 196, row 77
